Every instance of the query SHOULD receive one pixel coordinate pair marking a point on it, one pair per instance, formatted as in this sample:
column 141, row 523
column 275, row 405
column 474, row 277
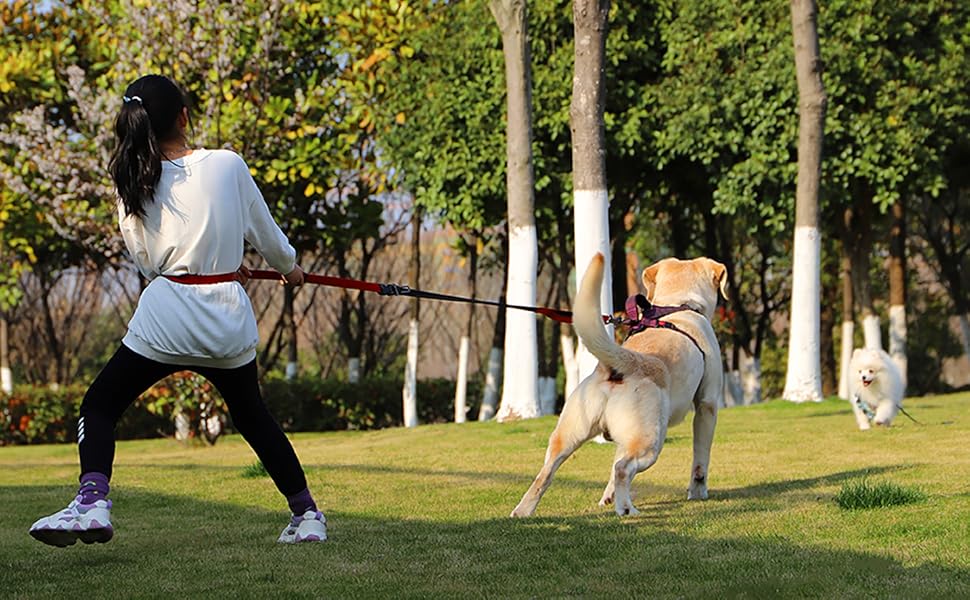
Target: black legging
column 128, row 374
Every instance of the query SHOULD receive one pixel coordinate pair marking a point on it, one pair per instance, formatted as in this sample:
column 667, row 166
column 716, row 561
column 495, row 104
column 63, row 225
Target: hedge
column 37, row 415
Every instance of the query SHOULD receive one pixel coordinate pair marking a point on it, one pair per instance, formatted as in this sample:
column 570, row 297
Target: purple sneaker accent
column 94, row 487
column 311, row 526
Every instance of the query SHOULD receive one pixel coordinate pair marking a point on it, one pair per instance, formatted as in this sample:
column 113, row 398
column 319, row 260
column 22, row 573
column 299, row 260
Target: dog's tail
column 588, row 322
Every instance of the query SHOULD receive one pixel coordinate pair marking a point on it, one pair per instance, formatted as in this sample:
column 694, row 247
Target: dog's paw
column 628, row 511
column 519, row 513
column 606, row 500
column 698, row 493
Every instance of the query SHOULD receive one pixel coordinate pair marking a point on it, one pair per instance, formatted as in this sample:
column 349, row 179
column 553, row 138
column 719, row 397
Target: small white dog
column 649, row 383
column 877, row 387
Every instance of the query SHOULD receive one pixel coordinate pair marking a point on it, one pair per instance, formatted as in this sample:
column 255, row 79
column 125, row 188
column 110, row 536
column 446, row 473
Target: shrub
column 862, row 495
column 38, row 414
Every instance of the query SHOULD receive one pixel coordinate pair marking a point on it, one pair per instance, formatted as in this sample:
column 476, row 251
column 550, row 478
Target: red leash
column 384, row 289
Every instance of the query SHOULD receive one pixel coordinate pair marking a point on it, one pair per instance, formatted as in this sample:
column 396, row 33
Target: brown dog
column 646, row 385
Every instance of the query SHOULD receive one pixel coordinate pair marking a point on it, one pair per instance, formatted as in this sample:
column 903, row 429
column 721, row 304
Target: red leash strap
column 202, row 279
column 354, row 284
column 384, row 289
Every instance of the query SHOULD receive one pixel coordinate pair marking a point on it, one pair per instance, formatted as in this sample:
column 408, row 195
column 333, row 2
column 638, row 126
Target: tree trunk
column 292, row 366
column 410, row 392
column 520, row 394
column 897, row 288
column 590, row 199
column 461, row 384
column 6, row 375
column 861, row 251
column 848, row 312
column 750, row 371
column 803, row 380
column 493, row 373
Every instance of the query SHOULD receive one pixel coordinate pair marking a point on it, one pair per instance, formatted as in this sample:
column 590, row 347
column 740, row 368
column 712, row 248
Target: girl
column 184, row 215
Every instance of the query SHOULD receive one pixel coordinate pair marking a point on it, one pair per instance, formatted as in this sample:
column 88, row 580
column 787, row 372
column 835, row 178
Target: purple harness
column 641, row 315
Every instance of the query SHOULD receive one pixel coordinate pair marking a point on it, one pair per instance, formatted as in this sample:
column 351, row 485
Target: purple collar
column 641, row 315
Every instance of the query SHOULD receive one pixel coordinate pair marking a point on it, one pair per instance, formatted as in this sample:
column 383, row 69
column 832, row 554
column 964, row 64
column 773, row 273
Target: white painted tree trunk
column 6, row 375
column 570, row 365
column 733, row 392
column 897, row 339
column 592, row 233
column 292, row 369
column 520, row 388
column 493, row 380
column 6, row 380
column 845, row 357
column 803, row 379
column 870, row 332
column 750, row 379
column 410, row 391
column 461, row 384
column 353, row 370
column 547, row 395
column 965, row 333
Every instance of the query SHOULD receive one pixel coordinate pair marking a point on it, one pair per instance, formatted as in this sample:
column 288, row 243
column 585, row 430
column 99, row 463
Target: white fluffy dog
column 877, row 387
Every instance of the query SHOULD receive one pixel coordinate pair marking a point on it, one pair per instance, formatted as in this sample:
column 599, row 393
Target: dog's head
column 672, row 282
column 866, row 365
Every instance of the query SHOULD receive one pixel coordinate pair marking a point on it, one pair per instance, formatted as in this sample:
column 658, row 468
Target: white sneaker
column 89, row 523
column 311, row 526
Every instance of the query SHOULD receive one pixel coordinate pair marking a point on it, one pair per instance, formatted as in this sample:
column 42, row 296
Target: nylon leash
column 393, row 289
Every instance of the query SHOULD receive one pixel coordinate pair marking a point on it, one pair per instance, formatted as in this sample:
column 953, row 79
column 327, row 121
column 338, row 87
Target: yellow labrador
column 647, row 384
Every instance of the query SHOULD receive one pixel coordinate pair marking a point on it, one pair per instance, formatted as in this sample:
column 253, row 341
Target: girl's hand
column 294, row 277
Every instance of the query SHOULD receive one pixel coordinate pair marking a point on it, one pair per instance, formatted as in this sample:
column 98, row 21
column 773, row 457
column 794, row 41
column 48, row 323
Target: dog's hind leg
column 631, row 462
column 610, row 490
column 562, row 443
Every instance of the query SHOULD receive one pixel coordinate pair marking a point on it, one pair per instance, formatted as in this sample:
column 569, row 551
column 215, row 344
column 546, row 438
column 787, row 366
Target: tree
column 803, row 380
column 520, row 394
column 590, row 195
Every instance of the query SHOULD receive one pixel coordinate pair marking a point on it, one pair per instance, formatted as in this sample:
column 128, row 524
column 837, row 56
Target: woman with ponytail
column 185, row 214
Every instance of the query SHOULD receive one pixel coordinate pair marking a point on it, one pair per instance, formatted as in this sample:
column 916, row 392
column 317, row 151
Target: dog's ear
column 650, row 280
column 720, row 277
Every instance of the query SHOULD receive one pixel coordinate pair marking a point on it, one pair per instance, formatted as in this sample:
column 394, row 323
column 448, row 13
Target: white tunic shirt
column 206, row 204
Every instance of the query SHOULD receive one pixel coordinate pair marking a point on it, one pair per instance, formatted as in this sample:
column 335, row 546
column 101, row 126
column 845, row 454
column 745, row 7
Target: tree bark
column 590, row 198
column 848, row 308
column 520, row 394
column 803, row 380
column 897, row 288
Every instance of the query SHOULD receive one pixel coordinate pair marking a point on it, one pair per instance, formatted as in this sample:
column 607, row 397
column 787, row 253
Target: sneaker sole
column 63, row 538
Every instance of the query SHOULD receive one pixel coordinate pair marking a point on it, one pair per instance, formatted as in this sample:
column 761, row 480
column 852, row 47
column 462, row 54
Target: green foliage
column 859, row 495
column 43, row 415
column 310, row 404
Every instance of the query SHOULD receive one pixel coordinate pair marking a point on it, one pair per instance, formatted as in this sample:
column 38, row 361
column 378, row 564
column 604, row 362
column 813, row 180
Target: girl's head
column 154, row 110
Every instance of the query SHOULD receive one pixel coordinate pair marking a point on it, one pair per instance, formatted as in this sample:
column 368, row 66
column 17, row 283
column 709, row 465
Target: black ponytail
column 150, row 109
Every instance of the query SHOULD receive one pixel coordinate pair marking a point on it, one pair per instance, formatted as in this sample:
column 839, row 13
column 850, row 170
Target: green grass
column 422, row 513
column 257, row 469
column 863, row 494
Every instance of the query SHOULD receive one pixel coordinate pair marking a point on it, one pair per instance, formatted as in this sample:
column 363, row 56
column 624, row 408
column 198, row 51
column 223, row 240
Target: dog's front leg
column 861, row 418
column 705, row 417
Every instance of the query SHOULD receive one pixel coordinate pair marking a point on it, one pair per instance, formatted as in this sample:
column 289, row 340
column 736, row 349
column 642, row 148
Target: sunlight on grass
column 858, row 495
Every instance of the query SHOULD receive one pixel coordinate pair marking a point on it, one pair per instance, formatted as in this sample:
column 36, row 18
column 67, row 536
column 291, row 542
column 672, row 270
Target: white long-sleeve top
column 205, row 206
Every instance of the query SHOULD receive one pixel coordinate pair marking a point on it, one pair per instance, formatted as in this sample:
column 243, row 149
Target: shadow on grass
column 174, row 546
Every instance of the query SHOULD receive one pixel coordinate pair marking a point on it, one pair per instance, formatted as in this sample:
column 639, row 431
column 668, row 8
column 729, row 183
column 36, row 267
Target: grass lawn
column 423, row 513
